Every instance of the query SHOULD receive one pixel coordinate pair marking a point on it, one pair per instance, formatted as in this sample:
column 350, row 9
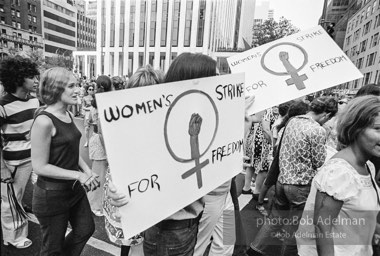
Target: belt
column 48, row 185
column 178, row 224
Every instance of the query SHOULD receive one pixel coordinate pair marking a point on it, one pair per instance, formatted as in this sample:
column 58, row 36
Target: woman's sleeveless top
column 64, row 146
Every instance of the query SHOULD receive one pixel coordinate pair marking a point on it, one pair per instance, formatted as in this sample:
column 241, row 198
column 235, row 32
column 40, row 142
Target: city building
column 362, row 43
column 91, row 9
column 270, row 14
column 134, row 33
column 59, row 28
column 20, row 26
column 85, row 55
column 335, row 14
column 341, row 25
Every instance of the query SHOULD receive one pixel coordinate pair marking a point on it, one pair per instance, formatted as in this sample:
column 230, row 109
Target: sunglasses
column 90, row 89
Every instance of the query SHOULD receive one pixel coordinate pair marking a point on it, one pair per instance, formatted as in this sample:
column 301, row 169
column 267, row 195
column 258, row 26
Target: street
column 99, row 244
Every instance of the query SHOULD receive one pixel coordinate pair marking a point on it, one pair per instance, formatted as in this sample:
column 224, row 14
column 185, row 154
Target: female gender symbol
column 195, row 151
column 291, row 70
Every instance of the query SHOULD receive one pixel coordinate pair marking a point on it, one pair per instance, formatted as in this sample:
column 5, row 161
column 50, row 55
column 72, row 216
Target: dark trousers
column 171, row 237
column 288, row 207
column 54, row 227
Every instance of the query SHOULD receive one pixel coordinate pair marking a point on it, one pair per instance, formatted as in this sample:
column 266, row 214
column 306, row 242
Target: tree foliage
column 271, row 30
column 43, row 62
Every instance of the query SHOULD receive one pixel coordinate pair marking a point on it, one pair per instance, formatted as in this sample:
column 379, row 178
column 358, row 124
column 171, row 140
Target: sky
column 304, row 14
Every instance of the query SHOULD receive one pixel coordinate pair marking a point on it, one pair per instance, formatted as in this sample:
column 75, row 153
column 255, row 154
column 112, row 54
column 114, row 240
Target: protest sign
column 170, row 144
column 292, row 67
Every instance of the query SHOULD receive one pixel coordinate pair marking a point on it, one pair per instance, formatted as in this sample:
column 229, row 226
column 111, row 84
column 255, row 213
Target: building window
column 132, row 23
column 188, row 19
column 367, row 78
column 142, row 23
column 141, row 59
column 356, row 35
column 2, row 20
column 18, row 14
column 368, row 12
column 13, row 12
column 14, row 24
column 377, row 77
column 348, row 41
column 121, row 63
column 353, row 51
column 162, row 60
column 112, row 33
column 130, row 64
column 355, row 85
column 377, row 21
column 374, row 40
column 164, row 22
column 201, row 23
column 34, row 8
column 363, row 46
column 122, row 24
column 371, row 59
column 1, row 8
column 175, row 26
column 153, row 18
column 367, row 27
column 103, row 24
column 151, row 58
column 29, row 17
column 362, row 16
column 359, row 63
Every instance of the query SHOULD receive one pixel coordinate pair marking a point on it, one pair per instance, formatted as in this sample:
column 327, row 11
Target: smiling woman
column 60, row 196
column 345, row 188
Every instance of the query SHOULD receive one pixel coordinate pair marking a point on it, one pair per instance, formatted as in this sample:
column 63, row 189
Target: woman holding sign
column 59, row 196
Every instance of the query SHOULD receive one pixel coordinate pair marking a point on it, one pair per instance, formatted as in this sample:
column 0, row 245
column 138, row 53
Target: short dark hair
column 359, row 114
column 14, row 70
column 117, row 82
column 297, row 108
column 325, row 104
column 283, row 108
column 369, row 89
column 190, row 66
column 104, row 84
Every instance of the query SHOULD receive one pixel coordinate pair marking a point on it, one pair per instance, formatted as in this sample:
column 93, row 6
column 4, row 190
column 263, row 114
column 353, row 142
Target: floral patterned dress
column 258, row 148
column 113, row 222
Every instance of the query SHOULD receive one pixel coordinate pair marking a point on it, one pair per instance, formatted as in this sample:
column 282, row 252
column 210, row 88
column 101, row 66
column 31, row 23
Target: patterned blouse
column 302, row 151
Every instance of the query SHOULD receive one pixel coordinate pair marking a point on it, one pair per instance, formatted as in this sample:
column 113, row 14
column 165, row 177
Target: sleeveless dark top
column 64, row 146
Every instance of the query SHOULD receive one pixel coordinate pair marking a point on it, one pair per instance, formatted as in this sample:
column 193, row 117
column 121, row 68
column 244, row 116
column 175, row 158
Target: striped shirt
column 15, row 128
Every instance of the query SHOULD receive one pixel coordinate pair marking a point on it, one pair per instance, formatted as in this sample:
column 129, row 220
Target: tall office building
column 271, row 14
column 84, row 56
column 20, row 26
column 59, row 28
column 91, row 10
column 362, row 43
column 132, row 33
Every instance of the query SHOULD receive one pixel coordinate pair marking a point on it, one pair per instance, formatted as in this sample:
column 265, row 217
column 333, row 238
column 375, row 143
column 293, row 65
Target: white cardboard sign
column 151, row 154
column 292, row 67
